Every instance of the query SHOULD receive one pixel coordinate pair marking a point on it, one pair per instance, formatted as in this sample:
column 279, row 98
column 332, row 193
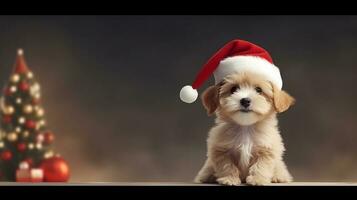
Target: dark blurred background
column 110, row 88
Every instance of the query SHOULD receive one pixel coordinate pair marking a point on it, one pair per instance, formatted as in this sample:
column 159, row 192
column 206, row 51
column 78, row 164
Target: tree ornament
column 21, row 147
column 23, row 86
column 55, row 169
column 22, row 120
column 30, row 124
column 40, row 137
column 31, row 146
column 38, row 145
column 28, row 109
column 35, row 89
column 6, row 119
column 18, row 129
column 15, row 78
column 49, row 137
column 12, row 137
column 40, row 112
column 6, row 155
column 29, row 75
column 7, row 91
column 18, row 100
column 36, row 101
column 2, row 144
column 13, row 89
column 9, row 110
column 25, row 134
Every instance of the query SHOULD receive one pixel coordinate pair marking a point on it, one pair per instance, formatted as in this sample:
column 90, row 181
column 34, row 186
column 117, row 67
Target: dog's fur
column 245, row 147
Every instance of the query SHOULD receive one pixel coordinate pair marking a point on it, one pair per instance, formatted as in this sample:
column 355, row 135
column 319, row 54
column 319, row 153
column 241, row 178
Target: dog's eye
column 234, row 89
column 259, row 90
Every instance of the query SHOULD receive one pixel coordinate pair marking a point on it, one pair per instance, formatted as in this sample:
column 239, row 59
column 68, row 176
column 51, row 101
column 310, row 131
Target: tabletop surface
column 171, row 184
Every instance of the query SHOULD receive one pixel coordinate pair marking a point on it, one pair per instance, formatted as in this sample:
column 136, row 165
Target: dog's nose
column 245, row 102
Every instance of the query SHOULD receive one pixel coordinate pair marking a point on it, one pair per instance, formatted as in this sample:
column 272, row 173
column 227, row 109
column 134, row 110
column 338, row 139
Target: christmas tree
column 25, row 141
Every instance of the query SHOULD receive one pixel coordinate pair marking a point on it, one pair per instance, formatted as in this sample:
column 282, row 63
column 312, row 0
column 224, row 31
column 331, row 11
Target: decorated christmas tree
column 26, row 152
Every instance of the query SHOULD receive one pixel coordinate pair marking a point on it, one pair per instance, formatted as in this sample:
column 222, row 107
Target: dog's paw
column 229, row 180
column 257, row 180
column 282, row 179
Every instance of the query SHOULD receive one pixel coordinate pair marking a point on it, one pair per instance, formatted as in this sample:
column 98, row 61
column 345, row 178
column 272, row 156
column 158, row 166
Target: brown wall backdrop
column 110, row 88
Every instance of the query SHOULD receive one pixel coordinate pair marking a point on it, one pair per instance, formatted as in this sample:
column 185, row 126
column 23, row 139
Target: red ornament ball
column 55, row 169
column 30, row 124
column 36, row 101
column 6, row 119
column 21, row 147
column 7, row 91
column 24, row 86
column 6, row 155
column 48, row 137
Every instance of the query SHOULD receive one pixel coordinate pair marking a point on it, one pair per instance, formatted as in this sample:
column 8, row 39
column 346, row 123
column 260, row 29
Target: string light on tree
column 31, row 145
column 22, row 120
column 13, row 89
column 18, row 129
column 28, row 109
column 29, row 75
column 15, row 78
column 24, row 136
column 18, row 100
column 39, row 145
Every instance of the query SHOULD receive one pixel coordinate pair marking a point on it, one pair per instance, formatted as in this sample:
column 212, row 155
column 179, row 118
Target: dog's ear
column 282, row 100
column 210, row 99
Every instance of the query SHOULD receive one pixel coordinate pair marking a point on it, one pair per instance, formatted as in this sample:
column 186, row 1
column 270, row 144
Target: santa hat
column 237, row 56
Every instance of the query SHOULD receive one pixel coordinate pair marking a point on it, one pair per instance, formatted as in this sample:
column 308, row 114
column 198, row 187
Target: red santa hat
column 237, row 56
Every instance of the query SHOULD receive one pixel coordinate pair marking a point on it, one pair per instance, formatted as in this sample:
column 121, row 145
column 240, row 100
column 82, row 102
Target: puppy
column 245, row 145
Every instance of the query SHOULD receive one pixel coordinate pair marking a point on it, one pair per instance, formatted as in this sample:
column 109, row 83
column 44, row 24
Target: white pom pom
column 188, row 94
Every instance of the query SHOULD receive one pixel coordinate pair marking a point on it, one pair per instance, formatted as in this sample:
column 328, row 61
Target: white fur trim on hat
column 188, row 94
column 238, row 64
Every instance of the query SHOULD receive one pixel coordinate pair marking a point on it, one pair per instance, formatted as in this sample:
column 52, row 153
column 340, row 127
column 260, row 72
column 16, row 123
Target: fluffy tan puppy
column 245, row 145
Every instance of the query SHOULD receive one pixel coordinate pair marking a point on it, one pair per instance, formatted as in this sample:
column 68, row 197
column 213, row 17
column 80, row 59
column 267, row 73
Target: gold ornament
column 9, row 110
column 2, row 144
column 15, row 78
column 28, row 109
column 18, row 100
column 38, row 146
column 13, row 89
column 42, row 122
column 26, row 134
column 40, row 112
column 31, row 145
column 37, row 95
column 12, row 137
column 29, row 75
column 22, row 120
